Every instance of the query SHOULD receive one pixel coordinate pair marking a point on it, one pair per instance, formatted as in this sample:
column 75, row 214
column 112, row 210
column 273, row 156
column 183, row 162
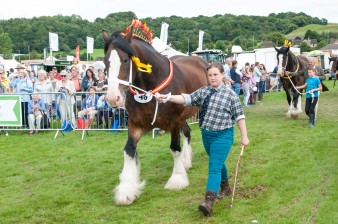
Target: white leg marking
column 130, row 187
column 179, row 178
column 186, row 154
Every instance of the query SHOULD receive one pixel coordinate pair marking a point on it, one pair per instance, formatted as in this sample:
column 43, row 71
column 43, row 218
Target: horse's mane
column 117, row 40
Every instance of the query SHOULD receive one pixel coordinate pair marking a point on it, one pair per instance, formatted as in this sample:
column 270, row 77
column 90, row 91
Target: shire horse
column 287, row 61
column 136, row 73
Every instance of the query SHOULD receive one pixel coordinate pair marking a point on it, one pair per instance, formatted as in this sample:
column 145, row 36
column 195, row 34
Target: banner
column 90, row 45
column 200, row 40
column 77, row 53
column 164, row 32
column 10, row 111
column 53, row 41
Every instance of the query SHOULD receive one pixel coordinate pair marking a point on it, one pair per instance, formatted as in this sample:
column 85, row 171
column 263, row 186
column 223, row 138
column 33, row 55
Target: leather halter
column 162, row 85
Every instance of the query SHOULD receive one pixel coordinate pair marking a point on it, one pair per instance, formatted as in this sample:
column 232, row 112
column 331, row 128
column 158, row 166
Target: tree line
column 20, row 35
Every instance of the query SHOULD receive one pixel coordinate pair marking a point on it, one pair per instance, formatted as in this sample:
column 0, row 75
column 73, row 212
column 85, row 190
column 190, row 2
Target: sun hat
column 63, row 73
column 20, row 66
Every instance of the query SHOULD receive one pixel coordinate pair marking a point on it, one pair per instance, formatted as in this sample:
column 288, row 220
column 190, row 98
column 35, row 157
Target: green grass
column 331, row 27
column 288, row 173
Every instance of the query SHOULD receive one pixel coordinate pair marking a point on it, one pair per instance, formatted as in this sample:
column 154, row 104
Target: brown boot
column 260, row 96
column 206, row 207
column 225, row 189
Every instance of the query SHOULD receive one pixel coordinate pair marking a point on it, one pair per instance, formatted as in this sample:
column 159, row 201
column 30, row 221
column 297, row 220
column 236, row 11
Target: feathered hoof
column 177, row 182
column 126, row 194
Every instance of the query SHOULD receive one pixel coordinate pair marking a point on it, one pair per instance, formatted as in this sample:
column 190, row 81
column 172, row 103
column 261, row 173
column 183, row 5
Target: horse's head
column 333, row 59
column 118, row 52
column 282, row 58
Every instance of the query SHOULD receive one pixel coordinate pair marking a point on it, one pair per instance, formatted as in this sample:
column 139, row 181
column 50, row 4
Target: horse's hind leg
column 130, row 187
column 179, row 177
column 187, row 151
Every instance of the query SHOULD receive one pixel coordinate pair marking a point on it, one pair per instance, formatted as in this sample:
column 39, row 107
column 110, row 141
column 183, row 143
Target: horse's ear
column 276, row 49
column 129, row 35
column 105, row 35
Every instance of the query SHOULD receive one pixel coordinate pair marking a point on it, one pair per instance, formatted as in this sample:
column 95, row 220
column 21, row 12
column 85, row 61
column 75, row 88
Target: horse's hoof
column 177, row 182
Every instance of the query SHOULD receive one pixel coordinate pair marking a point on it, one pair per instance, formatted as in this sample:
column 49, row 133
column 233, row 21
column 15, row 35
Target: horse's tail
column 324, row 87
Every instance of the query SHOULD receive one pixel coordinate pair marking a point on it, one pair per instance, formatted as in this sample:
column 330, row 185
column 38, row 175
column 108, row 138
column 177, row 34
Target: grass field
column 331, row 27
column 288, row 173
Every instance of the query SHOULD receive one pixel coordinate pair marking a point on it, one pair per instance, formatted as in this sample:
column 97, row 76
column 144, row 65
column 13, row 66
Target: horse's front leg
column 130, row 187
column 296, row 105
column 179, row 178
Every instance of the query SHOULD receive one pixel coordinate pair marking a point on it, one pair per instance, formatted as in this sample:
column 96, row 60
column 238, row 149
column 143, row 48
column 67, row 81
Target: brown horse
column 137, row 72
column 287, row 61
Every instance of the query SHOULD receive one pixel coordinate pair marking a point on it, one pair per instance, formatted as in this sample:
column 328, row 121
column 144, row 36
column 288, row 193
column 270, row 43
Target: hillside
column 331, row 27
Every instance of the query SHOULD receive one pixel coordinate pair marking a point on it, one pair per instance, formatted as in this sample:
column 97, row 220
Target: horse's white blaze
column 130, row 186
column 280, row 61
column 186, row 154
column 179, row 178
column 113, row 86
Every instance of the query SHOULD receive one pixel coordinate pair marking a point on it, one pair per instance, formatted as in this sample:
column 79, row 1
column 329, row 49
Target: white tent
column 164, row 49
column 8, row 64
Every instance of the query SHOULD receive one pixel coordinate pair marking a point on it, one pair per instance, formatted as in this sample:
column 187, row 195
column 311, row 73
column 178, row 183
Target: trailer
column 266, row 56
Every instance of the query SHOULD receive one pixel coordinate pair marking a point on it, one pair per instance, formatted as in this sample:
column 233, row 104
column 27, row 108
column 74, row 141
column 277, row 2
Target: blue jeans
column 236, row 87
column 261, row 88
column 217, row 144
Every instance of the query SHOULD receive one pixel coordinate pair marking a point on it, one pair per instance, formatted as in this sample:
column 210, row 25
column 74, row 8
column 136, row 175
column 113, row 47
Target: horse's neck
column 293, row 63
column 160, row 69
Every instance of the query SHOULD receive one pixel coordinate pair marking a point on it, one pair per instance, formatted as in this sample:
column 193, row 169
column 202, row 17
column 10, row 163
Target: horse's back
column 190, row 75
column 191, row 71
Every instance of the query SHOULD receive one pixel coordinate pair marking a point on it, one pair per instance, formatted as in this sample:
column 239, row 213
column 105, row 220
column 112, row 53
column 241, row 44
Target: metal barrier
column 65, row 112
column 22, row 119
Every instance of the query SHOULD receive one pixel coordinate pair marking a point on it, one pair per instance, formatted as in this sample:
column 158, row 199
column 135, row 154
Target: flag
column 200, row 40
column 90, row 45
column 77, row 53
column 53, row 41
column 164, row 32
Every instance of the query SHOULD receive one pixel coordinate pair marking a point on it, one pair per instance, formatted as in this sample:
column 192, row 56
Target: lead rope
column 311, row 93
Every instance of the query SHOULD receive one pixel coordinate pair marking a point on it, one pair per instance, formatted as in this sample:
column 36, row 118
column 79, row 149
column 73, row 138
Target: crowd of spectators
column 60, row 96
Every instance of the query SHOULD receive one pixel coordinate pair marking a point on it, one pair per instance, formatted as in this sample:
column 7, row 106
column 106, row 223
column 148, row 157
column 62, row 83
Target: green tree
column 5, row 44
column 305, row 47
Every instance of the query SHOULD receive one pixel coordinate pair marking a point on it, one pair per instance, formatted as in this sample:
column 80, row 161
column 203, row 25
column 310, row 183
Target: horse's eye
column 125, row 60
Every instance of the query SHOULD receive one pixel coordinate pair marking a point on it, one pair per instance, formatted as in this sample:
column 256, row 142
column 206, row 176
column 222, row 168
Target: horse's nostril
column 117, row 99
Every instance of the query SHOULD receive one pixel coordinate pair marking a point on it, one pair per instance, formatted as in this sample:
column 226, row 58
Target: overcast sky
column 92, row 9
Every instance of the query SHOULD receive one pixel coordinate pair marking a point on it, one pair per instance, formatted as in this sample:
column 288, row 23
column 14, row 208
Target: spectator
column 83, row 71
column 76, row 65
column 11, row 74
column 102, row 81
column 246, row 85
column 44, row 85
column 56, row 73
column 89, row 107
column 236, row 76
column 75, row 78
column 257, row 76
column 88, row 80
column 66, row 100
column 4, row 82
column 55, row 109
column 36, row 108
column 104, row 109
column 23, row 86
column 227, row 67
column 262, row 82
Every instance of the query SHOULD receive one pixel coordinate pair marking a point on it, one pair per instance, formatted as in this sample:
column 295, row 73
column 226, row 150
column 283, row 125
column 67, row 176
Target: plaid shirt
column 224, row 108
